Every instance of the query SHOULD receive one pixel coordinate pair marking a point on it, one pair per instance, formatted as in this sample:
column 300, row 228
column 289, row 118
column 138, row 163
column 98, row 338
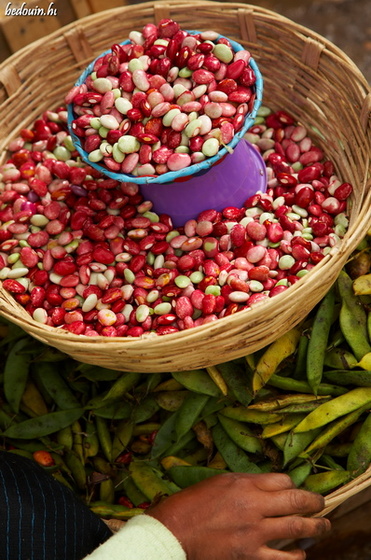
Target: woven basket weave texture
column 303, row 73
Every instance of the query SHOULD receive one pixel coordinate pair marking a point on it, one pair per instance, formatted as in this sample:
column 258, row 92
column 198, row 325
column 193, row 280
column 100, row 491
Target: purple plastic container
column 229, row 182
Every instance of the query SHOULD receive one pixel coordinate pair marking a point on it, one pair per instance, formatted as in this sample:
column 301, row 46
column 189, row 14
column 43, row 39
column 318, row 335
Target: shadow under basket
column 304, row 74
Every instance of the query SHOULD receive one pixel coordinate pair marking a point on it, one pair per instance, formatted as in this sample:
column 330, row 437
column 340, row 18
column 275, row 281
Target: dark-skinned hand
column 235, row 517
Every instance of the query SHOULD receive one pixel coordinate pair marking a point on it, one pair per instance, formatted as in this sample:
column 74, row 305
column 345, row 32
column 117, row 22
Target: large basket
column 303, row 73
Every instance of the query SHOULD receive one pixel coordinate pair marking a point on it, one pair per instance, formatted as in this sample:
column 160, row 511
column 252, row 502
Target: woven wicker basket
column 303, row 73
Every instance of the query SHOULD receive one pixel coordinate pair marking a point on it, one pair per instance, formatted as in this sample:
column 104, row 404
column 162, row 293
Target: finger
column 294, row 527
column 293, row 501
column 266, row 553
column 272, row 482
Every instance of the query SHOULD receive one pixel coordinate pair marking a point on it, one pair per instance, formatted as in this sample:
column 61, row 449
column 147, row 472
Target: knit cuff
column 144, row 538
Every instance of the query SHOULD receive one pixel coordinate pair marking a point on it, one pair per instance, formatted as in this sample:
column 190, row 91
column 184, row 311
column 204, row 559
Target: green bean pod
column 148, row 480
column 107, row 491
column 189, row 412
column 241, row 435
column 288, row 422
column 330, row 462
column 102, row 466
column 77, row 445
column 319, row 339
column 114, row 411
column 122, row 437
column 234, row 456
column 43, row 425
column 244, row 414
column 324, row 482
column 16, row 373
column 77, row 469
column 185, row 476
column 165, row 437
column 178, row 445
column 238, row 381
column 272, row 357
column 359, row 457
column 299, row 372
column 46, row 375
column 280, row 440
column 65, row 437
column 198, row 381
column 117, row 391
column 353, row 317
column 5, row 420
column 295, row 443
column 146, row 428
column 90, row 440
column 339, row 358
column 300, row 408
column 338, row 449
column 60, row 478
column 104, row 437
column 360, row 378
column 145, row 409
column 171, row 400
column 276, row 403
column 114, row 511
column 289, row 384
column 299, row 474
column 124, row 482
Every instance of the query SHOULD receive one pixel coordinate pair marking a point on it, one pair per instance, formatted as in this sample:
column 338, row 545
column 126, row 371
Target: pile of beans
column 163, row 101
column 89, row 254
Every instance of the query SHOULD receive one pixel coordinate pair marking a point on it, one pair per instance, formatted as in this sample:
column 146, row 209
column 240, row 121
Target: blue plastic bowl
column 190, row 171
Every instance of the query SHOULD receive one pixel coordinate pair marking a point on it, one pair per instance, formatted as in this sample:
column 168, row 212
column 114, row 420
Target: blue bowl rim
column 191, row 170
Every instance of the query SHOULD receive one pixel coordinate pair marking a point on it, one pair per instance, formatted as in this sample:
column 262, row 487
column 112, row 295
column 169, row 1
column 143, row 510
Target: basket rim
column 192, row 170
column 179, row 4
column 222, row 324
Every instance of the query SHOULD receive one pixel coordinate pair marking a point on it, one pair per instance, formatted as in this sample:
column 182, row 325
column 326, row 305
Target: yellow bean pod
column 324, row 482
column 274, row 404
column 273, row 356
column 218, row 379
column 362, row 285
column 148, row 482
column 33, row 399
column 244, row 414
column 333, row 409
column 289, row 421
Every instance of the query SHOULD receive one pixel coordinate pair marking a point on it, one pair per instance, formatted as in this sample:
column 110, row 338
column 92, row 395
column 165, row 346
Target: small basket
column 303, row 73
column 192, row 170
column 238, row 169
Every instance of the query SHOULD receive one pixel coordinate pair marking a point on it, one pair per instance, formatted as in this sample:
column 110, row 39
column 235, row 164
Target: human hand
column 235, row 516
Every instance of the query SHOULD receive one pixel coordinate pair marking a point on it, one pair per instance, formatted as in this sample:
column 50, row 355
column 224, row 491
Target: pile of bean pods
column 88, row 254
column 120, row 440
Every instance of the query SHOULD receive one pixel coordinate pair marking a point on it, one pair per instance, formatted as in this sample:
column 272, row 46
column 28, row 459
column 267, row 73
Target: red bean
column 223, row 253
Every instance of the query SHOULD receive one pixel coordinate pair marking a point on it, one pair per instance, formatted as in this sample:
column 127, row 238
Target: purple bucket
column 229, row 182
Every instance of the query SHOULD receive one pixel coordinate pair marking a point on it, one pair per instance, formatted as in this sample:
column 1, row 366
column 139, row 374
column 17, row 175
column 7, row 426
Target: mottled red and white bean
column 88, row 254
column 163, row 101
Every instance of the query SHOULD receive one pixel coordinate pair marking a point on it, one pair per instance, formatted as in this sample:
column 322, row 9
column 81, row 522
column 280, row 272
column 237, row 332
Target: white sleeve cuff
column 142, row 538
